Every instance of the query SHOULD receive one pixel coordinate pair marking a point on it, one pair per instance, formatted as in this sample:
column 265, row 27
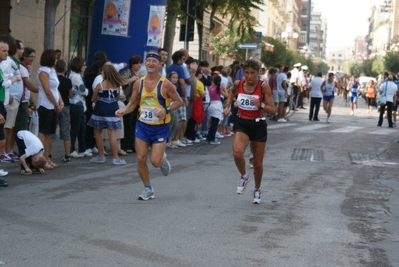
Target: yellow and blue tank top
column 151, row 102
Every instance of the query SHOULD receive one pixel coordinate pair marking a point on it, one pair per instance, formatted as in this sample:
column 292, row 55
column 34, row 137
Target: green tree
column 320, row 66
column 391, row 62
column 367, row 68
column 377, row 66
column 347, row 67
column 239, row 13
column 279, row 55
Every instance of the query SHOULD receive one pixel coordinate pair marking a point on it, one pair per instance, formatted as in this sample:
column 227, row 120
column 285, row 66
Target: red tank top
column 246, row 107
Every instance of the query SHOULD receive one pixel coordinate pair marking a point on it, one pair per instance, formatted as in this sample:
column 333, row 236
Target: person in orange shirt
column 370, row 95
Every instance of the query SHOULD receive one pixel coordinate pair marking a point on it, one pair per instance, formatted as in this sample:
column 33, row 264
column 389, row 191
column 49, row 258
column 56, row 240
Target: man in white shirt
column 388, row 89
column 315, row 96
column 163, row 53
column 282, row 86
column 295, row 82
column 302, row 83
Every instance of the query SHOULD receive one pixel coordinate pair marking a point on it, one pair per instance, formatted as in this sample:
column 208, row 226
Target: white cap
column 297, row 65
column 304, row 67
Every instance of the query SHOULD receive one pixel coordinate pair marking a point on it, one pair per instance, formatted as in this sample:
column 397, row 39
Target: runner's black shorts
column 255, row 129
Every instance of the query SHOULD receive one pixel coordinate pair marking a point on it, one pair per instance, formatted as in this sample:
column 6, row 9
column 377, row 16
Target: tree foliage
column 279, row 55
column 239, row 14
column 391, row 62
column 377, row 66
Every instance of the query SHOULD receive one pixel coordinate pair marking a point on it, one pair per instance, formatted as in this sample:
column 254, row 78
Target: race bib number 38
column 246, row 102
column 148, row 115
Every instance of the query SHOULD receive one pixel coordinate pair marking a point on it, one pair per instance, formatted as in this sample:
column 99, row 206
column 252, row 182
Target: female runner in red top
column 254, row 98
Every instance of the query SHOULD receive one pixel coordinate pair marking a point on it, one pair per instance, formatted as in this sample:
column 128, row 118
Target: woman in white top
column 49, row 102
column 77, row 106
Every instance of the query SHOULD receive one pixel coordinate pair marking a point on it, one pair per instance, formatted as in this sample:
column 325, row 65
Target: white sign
column 247, row 46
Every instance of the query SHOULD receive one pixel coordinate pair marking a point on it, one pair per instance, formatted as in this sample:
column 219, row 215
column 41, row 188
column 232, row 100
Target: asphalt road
column 330, row 198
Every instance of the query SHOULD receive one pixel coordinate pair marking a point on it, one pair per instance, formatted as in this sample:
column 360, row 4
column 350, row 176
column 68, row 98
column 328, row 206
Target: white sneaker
column 75, row 154
column 197, row 140
column 281, row 120
column 218, row 135
column 328, row 121
column 352, row 113
column 87, row 153
column 187, row 142
column 94, row 150
column 178, row 143
column 3, row 173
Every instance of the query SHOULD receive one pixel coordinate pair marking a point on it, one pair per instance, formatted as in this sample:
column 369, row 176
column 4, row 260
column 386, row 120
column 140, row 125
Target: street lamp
column 305, row 51
column 287, row 35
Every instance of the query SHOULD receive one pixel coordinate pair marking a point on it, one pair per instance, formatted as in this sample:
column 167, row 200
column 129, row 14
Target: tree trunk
column 170, row 31
column 50, row 9
column 199, row 13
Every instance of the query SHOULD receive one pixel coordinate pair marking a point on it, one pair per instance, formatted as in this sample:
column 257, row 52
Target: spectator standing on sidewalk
column 178, row 58
column 49, row 102
column 65, row 90
column 22, row 121
column 129, row 120
column 315, row 96
column 3, row 92
column 77, row 106
column 11, row 68
column 387, row 88
column 296, row 83
column 281, row 94
column 105, row 95
column 174, row 122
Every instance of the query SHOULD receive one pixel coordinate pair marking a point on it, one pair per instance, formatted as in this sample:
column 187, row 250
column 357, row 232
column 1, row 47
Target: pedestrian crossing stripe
column 325, row 128
column 280, row 125
column 384, row 131
column 312, row 127
column 347, row 129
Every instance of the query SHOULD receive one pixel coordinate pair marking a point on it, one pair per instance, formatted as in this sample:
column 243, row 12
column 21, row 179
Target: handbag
column 382, row 99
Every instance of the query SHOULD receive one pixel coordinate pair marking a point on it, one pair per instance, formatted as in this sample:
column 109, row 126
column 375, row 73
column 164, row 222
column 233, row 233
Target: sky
column 346, row 20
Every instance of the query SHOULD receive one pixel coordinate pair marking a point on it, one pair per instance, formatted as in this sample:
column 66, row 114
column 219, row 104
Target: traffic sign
column 247, row 46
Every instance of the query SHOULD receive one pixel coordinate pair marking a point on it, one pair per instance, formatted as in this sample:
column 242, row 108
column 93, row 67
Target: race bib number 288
column 246, row 102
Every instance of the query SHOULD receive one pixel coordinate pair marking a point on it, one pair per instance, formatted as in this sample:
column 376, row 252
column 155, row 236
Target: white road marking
column 347, row 129
column 312, row 127
column 280, row 125
column 384, row 132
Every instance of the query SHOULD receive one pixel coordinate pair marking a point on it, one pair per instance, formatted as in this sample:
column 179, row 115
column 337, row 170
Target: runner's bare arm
column 268, row 100
column 132, row 103
column 232, row 93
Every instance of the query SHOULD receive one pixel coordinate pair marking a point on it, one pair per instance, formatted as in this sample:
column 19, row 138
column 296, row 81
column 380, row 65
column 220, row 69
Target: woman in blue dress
column 105, row 96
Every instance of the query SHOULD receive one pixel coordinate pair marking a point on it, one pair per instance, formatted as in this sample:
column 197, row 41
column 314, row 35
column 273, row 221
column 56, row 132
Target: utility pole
column 186, row 26
column 308, row 22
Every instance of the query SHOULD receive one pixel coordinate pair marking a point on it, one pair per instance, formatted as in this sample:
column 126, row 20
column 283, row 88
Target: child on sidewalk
column 30, row 153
